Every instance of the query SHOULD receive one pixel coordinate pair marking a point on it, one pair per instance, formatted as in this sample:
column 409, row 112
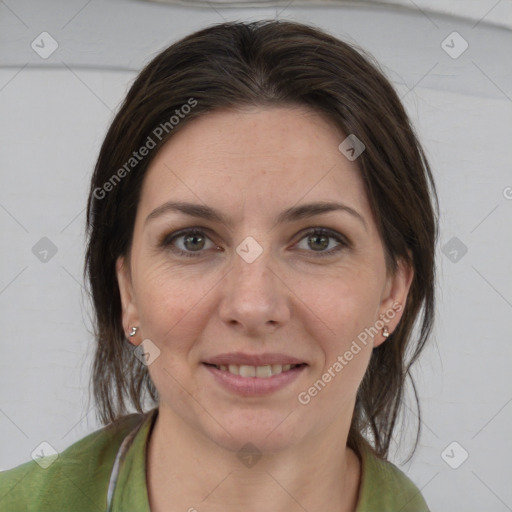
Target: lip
column 254, row 386
column 240, row 358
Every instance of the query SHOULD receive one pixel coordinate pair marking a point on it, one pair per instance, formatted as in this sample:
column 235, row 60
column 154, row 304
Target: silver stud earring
column 385, row 332
column 133, row 332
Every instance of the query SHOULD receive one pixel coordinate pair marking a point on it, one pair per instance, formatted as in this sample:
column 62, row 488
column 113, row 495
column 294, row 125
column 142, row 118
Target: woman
column 262, row 231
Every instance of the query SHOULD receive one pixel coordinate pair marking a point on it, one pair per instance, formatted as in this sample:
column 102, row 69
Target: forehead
column 289, row 133
column 258, row 158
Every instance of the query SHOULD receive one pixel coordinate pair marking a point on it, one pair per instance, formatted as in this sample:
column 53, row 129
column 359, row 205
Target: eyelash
column 168, row 240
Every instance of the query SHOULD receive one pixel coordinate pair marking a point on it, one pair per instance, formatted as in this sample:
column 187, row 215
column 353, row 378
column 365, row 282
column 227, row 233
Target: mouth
column 249, row 375
column 254, row 375
column 262, row 372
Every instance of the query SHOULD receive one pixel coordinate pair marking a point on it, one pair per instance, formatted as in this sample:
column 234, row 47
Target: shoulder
column 384, row 487
column 77, row 479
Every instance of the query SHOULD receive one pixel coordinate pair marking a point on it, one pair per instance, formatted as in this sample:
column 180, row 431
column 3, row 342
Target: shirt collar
column 130, row 491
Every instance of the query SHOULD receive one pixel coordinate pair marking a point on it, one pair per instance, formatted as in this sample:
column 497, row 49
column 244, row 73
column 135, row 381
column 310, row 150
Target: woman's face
column 258, row 289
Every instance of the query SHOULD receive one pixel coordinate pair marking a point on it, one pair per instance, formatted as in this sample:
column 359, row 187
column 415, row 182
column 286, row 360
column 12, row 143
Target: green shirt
column 115, row 456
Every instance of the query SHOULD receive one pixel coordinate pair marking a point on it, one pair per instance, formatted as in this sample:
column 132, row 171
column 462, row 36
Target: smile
column 253, row 381
column 262, row 372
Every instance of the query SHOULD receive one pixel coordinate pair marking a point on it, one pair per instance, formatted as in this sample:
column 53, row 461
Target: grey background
column 54, row 114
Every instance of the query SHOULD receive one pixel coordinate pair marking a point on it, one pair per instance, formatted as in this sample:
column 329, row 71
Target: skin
column 252, row 164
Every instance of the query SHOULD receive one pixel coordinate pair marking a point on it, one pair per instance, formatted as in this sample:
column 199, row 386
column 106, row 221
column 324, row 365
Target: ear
column 392, row 305
column 130, row 315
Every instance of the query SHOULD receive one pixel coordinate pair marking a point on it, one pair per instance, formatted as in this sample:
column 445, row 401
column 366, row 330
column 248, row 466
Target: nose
column 255, row 298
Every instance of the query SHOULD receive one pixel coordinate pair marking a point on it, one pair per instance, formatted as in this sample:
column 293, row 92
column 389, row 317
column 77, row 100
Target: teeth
column 247, row 371
column 235, row 370
column 262, row 372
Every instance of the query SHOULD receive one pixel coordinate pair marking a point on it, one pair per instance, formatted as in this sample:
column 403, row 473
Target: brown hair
column 267, row 63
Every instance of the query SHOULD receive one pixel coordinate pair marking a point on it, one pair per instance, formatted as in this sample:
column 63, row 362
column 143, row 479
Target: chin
column 268, row 431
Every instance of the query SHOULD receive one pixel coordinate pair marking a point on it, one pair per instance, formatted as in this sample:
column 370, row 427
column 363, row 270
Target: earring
column 385, row 332
column 133, row 332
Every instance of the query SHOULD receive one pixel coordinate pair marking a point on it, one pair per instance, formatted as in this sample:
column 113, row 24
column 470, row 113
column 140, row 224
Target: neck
column 194, row 474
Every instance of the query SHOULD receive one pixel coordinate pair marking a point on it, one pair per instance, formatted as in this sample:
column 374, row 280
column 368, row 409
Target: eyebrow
column 291, row 214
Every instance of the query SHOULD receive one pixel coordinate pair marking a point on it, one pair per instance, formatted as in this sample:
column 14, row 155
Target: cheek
column 172, row 312
column 171, row 302
column 344, row 303
column 347, row 308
